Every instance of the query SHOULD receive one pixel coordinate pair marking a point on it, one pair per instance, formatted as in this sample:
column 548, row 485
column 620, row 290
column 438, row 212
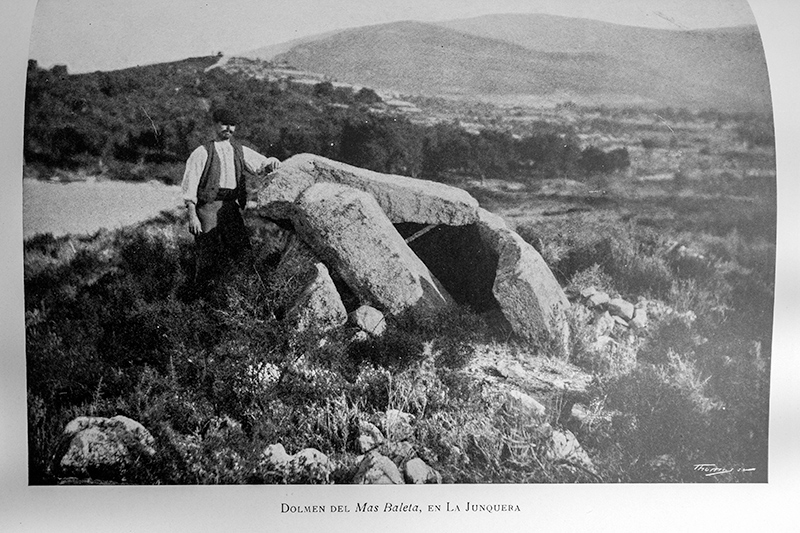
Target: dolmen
column 402, row 244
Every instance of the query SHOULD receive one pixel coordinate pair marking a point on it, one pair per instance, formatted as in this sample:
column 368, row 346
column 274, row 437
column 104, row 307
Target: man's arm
column 191, row 180
column 257, row 163
column 195, row 228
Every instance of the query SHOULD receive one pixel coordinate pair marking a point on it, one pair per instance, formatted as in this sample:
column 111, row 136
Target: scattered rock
column 418, row 472
column 348, row 230
column 369, row 437
column 360, row 336
column 398, row 452
column 621, row 308
column 639, row 320
column 376, row 469
column 603, row 323
column 621, row 321
column 275, row 456
column 403, row 199
column 310, row 460
column 526, row 290
column 588, row 291
column 369, row 319
column 565, row 447
column 510, row 369
column 308, row 463
column 103, row 448
column 519, row 400
column 598, row 299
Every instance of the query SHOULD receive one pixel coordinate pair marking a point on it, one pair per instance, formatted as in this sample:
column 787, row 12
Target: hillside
column 512, row 58
column 724, row 61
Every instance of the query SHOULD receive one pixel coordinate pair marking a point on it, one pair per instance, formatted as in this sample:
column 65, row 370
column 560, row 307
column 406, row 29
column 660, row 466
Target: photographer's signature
column 711, row 469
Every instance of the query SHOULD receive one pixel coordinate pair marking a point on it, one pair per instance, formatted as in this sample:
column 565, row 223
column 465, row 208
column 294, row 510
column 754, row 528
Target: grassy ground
column 110, row 331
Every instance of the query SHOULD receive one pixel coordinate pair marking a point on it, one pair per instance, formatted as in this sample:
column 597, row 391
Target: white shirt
column 254, row 162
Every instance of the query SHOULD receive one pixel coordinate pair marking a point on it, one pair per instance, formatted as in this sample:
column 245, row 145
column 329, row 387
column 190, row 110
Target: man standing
column 215, row 192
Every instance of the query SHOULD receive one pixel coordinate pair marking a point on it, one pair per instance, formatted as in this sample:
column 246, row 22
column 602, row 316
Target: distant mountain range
column 543, row 59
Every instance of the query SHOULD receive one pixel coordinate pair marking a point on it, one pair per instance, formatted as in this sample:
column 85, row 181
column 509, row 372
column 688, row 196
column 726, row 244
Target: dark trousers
column 224, row 239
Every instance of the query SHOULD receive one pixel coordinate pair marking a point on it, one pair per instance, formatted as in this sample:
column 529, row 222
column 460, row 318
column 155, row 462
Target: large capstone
column 401, row 198
column 349, row 231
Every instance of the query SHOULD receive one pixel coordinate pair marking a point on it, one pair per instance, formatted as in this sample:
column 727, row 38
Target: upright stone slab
column 314, row 301
column 403, row 199
column 348, row 230
column 526, row 290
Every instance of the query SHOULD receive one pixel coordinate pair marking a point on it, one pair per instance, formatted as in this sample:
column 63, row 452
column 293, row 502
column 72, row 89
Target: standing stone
column 314, row 302
column 349, row 231
column 403, row 199
column 529, row 295
column 319, row 306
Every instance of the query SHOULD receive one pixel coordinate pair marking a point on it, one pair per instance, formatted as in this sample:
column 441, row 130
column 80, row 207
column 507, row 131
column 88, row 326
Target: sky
column 88, row 35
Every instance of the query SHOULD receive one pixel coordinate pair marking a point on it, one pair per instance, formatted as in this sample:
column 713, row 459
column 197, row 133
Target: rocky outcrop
column 103, row 448
column 348, row 230
column 528, row 294
column 401, row 198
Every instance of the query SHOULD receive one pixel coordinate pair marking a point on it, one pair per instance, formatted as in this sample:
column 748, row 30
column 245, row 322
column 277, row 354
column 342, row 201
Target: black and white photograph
column 284, row 251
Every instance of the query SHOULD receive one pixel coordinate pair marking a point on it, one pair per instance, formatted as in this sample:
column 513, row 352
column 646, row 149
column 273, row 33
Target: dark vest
column 208, row 188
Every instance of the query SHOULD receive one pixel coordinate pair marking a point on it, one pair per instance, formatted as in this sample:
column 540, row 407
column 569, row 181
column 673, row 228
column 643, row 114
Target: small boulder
column 588, row 291
column 275, row 455
column 565, row 447
column 510, row 369
column 639, row 320
column 369, row 319
column 598, row 299
column 621, row 308
column 103, row 448
column 376, row 469
column 418, row 472
column 369, row 436
column 518, row 400
column 398, row 452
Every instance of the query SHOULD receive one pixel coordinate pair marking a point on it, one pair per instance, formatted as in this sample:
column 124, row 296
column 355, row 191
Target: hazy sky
column 89, row 35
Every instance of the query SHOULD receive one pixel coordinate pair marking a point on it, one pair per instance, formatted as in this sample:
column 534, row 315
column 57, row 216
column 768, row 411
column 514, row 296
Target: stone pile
column 609, row 312
column 401, row 244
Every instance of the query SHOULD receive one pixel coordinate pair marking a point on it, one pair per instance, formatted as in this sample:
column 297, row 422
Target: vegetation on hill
column 142, row 123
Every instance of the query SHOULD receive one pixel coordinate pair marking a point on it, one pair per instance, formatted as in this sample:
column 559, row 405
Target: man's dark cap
column 225, row 115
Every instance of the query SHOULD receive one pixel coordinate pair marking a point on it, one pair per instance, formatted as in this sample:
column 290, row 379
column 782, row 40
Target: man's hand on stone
column 272, row 164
